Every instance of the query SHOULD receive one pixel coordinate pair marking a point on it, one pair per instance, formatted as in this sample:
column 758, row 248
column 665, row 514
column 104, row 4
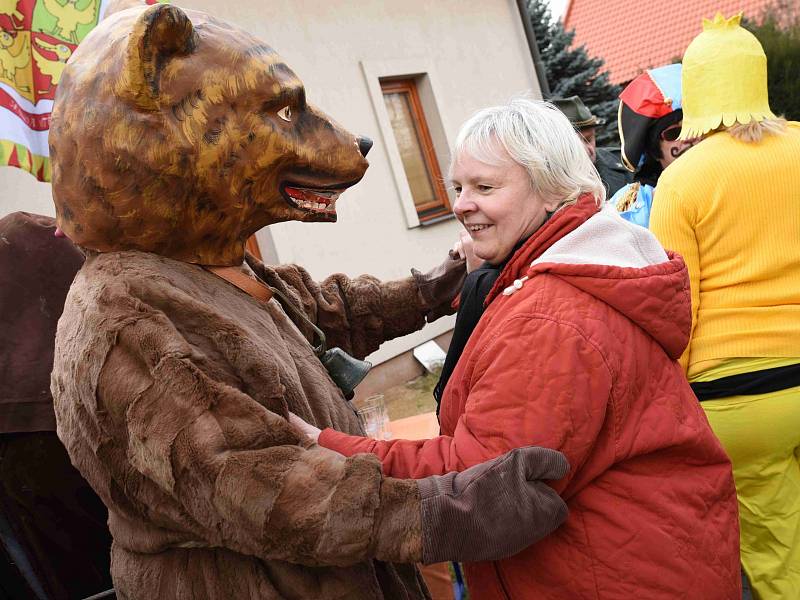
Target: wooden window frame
column 252, row 247
column 441, row 205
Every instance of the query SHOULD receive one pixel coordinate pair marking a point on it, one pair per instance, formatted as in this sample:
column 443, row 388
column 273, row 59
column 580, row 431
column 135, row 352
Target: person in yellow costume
column 732, row 209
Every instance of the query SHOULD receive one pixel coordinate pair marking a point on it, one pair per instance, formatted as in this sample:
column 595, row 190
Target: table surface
column 418, row 427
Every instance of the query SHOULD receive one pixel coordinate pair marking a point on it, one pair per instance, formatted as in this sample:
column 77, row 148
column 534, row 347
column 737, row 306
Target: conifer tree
column 572, row 72
column 779, row 34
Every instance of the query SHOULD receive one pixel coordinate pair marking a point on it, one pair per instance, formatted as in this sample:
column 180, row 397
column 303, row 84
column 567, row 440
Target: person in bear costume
column 174, row 137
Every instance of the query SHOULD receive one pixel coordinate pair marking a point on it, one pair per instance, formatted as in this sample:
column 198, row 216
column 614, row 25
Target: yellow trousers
column 761, row 434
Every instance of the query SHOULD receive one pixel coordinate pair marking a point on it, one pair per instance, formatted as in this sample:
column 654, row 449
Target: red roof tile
column 633, row 35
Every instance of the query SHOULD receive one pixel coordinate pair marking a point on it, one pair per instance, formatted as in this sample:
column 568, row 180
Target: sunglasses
column 670, row 134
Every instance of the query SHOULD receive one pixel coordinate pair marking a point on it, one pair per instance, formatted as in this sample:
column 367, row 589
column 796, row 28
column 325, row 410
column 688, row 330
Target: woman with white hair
column 576, row 351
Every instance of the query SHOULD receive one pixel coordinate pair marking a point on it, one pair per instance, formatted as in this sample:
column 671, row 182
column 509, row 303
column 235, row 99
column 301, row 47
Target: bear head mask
column 176, row 133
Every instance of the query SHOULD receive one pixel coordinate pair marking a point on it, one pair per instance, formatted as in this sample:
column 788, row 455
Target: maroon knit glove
column 492, row 510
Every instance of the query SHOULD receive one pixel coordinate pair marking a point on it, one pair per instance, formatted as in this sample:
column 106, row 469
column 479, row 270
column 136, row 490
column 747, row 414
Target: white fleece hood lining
column 606, row 239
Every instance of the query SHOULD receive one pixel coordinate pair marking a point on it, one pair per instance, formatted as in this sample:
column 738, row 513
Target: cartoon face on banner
column 37, row 37
column 15, row 61
column 69, row 21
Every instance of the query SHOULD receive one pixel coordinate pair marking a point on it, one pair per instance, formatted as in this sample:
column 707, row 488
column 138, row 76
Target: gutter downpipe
column 522, row 6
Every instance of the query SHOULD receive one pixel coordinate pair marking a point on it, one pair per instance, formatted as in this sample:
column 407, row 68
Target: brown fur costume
column 169, row 388
column 173, row 138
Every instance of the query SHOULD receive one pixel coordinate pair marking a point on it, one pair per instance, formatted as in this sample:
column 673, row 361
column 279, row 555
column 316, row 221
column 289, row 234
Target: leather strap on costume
column 262, row 292
column 248, row 285
column 345, row 371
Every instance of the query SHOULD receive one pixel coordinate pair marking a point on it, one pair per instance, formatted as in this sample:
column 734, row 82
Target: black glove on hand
column 492, row 510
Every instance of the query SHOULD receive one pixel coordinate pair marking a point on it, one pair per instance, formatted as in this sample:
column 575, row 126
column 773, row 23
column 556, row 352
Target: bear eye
column 285, row 113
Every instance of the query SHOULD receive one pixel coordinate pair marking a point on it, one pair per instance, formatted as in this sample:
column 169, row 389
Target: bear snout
column 364, row 144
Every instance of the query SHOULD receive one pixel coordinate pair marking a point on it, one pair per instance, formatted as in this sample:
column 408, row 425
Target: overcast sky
column 557, row 7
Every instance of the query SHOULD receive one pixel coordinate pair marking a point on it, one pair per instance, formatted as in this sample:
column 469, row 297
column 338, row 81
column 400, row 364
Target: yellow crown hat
column 724, row 78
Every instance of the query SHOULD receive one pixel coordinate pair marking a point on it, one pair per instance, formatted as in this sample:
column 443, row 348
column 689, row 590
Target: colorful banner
column 37, row 37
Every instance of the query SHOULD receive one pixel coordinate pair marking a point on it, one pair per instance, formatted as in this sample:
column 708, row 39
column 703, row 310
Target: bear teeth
column 313, row 200
column 313, row 205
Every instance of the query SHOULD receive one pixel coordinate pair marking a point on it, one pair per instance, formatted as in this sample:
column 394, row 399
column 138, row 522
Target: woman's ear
column 551, row 206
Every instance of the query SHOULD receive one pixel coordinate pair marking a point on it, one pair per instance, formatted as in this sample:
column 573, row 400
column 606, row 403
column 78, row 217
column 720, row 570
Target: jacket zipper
column 503, row 587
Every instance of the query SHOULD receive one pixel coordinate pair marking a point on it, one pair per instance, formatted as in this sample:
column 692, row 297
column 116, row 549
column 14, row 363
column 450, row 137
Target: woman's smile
column 476, row 228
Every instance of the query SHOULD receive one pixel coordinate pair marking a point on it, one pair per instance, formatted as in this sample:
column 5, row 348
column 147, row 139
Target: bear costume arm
column 358, row 315
column 232, row 473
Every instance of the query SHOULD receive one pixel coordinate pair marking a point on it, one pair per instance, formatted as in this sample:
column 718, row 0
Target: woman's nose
column 463, row 204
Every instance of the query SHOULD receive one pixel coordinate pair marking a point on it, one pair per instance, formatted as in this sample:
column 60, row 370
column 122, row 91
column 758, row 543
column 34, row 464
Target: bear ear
column 161, row 33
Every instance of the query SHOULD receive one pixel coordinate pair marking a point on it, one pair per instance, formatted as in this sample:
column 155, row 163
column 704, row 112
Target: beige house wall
column 466, row 54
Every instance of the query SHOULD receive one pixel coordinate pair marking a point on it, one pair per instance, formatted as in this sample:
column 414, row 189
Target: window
column 413, row 138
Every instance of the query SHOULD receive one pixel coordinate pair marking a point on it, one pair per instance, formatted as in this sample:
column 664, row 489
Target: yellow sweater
column 732, row 210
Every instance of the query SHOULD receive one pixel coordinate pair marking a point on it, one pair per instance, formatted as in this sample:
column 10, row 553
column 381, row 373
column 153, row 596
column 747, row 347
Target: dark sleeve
column 36, row 270
column 612, row 172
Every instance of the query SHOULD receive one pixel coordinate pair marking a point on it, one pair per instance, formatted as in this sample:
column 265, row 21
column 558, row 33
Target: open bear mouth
column 317, row 201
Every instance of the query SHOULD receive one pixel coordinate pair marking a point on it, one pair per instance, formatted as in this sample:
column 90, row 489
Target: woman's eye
column 285, row 113
column 484, row 188
column 457, row 189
